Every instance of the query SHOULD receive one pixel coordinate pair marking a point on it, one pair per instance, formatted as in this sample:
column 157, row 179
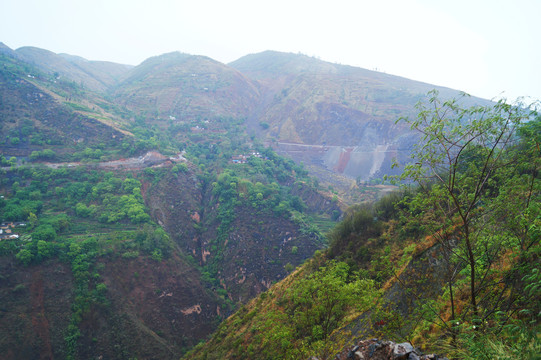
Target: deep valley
column 274, row 208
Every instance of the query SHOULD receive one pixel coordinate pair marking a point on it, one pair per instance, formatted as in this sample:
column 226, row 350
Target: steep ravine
column 258, row 245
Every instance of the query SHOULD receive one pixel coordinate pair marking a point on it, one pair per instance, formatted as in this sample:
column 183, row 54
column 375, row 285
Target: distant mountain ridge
column 350, row 111
column 95, row 75
column 334, row 118
column 186, row 87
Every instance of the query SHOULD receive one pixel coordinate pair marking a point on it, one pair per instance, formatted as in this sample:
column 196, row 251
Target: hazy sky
column 489, row 48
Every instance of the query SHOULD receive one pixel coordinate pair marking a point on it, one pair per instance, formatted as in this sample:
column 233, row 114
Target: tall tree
column 458, row 164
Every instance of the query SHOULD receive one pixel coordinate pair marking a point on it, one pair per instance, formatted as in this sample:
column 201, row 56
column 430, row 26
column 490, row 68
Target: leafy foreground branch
column 478, row 191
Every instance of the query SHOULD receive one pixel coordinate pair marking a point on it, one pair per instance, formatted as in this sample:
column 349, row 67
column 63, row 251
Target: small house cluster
column 243, row 159
column 6, row 230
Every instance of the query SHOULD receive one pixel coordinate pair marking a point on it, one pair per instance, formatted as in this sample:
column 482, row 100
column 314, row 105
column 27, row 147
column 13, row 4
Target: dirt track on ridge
column 152, row 158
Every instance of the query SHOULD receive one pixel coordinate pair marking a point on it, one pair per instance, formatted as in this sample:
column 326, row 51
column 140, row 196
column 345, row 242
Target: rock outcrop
column 375, row 349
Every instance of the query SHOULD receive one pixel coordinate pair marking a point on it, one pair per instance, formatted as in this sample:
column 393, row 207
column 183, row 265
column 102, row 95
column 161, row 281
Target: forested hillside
column 111, row 248
column 143, row 208
column 450, row 263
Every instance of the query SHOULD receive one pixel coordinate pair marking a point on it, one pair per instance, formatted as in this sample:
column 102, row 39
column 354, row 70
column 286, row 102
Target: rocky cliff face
column 176, row 203
column 256, row 252
column 257, row 247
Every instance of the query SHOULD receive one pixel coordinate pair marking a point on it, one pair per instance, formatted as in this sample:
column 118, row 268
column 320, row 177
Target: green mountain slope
column 94, row 75
column 90, row 274
column 412, row 267
column 156, row 202
column 343, row 117
column 186, row 87
column 336, row 119
column 150, row 251
column 39, row 114
column 134, row 288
